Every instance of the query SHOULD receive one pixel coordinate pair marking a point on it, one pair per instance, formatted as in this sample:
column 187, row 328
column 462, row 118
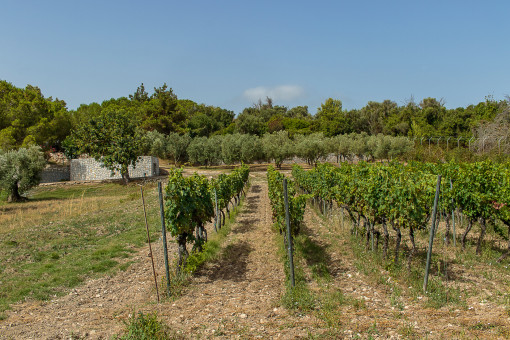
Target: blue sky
column 230, row 53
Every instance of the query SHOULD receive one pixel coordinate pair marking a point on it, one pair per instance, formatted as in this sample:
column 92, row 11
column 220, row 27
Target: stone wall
column 88, row 169
column 55, row 173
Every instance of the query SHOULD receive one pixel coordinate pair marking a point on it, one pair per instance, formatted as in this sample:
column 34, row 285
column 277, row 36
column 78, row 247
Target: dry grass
column 64, row 234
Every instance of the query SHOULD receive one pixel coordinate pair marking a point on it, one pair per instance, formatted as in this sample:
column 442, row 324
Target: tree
column 277, row 146
column 248, row 122
column 251, row 148
column 177, row 146
column 112, row 139
column 160, row 111
column 331, row 119
column 298, row 112
column 27, row 118
column 204, row 151
column 311, row 147
column 374, row 114
column 20, row 170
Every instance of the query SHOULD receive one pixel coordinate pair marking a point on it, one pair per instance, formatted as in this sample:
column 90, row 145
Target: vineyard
column 193, row 201
column 359, row 235
column 379, row 196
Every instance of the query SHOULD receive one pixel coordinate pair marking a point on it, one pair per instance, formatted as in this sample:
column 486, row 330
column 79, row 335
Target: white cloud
column 278, row 93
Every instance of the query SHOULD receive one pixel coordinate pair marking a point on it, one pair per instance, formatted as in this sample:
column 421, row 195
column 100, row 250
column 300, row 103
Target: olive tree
column 231, row 148
column 20, row 170
column 251, row 148
column 176, row 147
column 312, row 147
column 277, row 146
column 204, row 151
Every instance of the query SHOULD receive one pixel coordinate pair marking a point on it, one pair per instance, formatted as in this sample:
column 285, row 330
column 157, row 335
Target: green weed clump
column 146, row 327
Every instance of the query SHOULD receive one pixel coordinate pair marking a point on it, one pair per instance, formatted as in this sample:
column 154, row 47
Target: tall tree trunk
column 483, row 227
column 464, row 236
column 14, row 195
column 125, row 176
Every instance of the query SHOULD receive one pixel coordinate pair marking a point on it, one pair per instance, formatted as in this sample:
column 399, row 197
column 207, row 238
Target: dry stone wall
column 55, row 173
column 88, row 169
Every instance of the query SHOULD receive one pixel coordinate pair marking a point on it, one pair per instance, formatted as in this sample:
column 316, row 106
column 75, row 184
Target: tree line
column 117, row 131
column 28, row 118
column 274, row 147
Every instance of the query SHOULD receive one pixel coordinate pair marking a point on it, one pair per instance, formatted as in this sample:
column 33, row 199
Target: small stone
column 243, row 316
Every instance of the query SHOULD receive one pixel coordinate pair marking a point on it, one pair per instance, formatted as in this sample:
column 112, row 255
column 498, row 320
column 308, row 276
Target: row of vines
column 297, row 203
column 377, row 197
column 195, row 200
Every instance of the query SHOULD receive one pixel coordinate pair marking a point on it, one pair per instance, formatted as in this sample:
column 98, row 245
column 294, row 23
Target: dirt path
column 236, row 296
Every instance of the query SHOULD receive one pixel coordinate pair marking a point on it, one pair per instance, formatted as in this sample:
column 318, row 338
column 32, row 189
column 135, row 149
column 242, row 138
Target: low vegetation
column 65, row 235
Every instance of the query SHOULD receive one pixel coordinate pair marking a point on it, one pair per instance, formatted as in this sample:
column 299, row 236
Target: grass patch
column 481, row 326
column 65, row 235
column 407, row 330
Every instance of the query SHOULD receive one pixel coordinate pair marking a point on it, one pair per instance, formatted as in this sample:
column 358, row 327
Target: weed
column 359, row 304
column 407, row 330
column 146, row 327
column 480, row 326
column 372, row 330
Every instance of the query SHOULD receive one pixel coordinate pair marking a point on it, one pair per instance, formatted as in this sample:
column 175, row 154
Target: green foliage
column 176, row 147
column 112, row 139
column 331, row 119
column 311, row 148
column 205, row 151
column 28, row 118
column 145, row 327
column 402, row 195
column 297, row 203
column 188, row 203
column 20, row 170
column 277, row 146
